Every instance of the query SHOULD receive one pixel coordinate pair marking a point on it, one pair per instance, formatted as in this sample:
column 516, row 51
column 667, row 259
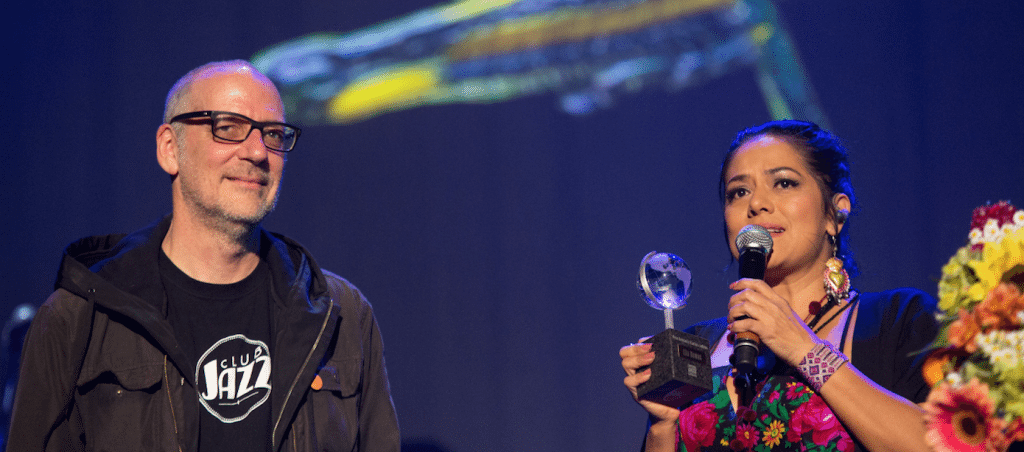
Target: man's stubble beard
column 213, row 213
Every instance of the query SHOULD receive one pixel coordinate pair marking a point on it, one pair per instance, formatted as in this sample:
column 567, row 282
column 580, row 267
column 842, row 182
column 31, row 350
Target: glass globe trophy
column 681, row 370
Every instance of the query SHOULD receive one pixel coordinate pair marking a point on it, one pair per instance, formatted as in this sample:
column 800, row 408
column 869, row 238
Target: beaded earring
column 837, row 281
column 837, row 290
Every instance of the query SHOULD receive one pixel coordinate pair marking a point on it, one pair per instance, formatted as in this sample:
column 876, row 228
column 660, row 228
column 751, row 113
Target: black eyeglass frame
column 253, row 125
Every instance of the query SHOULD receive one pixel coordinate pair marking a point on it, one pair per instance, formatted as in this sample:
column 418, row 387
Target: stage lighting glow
column 587, row 52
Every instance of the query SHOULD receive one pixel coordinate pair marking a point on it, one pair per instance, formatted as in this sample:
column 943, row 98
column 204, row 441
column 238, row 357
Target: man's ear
column 167, row 149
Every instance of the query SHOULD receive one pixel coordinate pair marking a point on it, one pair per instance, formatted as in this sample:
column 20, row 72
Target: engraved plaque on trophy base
column 681, row 370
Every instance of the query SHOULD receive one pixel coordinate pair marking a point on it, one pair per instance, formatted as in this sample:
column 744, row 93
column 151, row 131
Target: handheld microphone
column 754, row 243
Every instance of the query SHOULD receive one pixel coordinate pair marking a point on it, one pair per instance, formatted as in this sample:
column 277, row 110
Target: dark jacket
column 102, row 369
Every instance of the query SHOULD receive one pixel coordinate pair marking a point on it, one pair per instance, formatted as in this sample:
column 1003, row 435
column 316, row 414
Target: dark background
column 500, row 243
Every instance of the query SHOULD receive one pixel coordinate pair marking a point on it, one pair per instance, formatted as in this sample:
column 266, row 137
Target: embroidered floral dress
column 784, row 415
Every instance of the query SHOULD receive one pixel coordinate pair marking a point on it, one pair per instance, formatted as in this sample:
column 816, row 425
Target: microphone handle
column 745, row 350
column 748, row 345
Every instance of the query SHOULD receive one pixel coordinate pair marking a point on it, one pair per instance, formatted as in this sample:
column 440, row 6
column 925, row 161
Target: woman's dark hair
column 825, row 155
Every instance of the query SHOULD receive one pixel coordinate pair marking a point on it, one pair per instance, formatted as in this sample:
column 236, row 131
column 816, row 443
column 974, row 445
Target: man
column 204, row 331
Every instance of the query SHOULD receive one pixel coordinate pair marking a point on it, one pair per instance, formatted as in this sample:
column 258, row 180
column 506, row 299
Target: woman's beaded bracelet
column 820, row 363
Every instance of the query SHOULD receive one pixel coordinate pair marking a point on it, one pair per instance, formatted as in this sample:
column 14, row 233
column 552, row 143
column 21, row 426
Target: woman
column 792, row 178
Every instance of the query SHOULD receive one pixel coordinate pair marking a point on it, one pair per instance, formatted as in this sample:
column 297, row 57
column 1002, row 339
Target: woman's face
column 769, row 183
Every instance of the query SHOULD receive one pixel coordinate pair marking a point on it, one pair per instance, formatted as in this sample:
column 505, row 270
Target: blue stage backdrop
column 491, row 173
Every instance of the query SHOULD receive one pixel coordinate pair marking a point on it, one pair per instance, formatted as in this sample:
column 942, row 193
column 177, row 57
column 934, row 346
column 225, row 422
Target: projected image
column 586, row 52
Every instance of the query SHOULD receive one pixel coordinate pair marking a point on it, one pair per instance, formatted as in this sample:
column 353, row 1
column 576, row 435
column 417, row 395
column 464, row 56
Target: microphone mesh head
column 754, row 236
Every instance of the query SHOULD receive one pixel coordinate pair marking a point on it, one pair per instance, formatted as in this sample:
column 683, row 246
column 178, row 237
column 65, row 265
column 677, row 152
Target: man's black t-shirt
column 225, row 330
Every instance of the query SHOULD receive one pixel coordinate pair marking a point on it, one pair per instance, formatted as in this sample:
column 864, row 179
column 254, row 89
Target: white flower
column 1004, row 356
column 991, row 230
column 954, row 379
column 976, row 235
column 990, row 343
column 1018, row 218
column 1014, row 339
column 1004, row 349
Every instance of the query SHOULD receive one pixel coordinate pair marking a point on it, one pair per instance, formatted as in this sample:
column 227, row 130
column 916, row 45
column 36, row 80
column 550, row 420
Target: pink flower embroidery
column 697, row 426
column 845, row 443
column 815, row 417
column 747, row 435
column 795, row 390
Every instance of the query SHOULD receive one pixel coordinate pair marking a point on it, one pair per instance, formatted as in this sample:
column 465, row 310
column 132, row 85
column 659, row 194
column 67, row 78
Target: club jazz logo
column 234, row 377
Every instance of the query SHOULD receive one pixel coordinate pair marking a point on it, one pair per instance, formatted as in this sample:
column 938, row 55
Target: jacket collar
column 120, row 273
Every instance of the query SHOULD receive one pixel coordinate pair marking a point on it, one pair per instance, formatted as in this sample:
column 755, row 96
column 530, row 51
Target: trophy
column 681, row 370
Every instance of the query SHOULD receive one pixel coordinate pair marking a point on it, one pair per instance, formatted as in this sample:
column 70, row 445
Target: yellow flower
column 998, row 259
column 773, row 434
column 957, row 279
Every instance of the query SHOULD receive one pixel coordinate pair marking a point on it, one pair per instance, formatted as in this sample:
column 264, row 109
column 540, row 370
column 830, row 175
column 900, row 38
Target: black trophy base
column 681, row 370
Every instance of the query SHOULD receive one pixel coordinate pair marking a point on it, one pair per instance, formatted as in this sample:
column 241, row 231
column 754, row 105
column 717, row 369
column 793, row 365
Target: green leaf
column 720, row 400
column 729, row 431
column 779, row 411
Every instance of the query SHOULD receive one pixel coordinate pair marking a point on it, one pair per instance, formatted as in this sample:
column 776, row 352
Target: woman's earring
column 837, row 281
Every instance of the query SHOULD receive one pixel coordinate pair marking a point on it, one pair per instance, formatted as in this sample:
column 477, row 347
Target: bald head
column 179, row 99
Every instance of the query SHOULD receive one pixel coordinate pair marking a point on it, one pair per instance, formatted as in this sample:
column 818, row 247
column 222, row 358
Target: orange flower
column 963, row 330
column 1015, row 431
column 938, row 362
column 999, row 308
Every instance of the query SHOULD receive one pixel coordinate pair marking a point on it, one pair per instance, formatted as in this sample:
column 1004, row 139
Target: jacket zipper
column 170, row 402
column 288, row 395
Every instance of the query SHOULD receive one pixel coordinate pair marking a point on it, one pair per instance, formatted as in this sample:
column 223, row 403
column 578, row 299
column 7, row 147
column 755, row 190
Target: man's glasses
column 235, row 128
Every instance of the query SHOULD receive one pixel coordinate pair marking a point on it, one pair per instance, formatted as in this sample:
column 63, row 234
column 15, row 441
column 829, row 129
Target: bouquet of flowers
column 976, row 364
